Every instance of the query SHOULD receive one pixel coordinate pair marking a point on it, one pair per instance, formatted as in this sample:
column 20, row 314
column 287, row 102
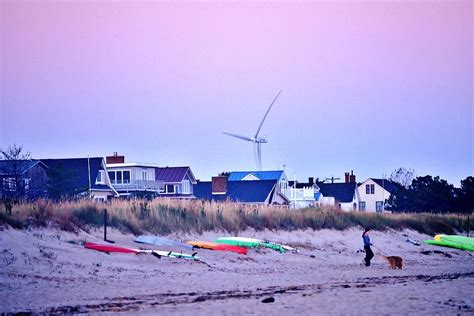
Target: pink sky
column 368, row 86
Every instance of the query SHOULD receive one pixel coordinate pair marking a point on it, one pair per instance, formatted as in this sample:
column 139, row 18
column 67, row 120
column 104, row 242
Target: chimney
column 352, row 177
column 219, row 185
column 114, row 159
column 311, row 181
column 346, row 178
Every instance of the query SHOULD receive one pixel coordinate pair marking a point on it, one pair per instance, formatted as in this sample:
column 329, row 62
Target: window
column 119, row 176
column 144, row 175
column 186, row 187
column 26, row 184
column 126, row 176
column 112, row 176
column 379, row 206
column 361, row 206
column 170, row 188
column 99, row 177
column 369, row 189
column 9, row 184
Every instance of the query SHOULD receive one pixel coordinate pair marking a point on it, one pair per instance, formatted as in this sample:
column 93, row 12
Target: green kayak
column 452, row 241
column 252, row 243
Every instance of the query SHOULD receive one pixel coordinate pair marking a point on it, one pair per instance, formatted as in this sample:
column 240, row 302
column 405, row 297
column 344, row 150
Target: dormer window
column 100, row 177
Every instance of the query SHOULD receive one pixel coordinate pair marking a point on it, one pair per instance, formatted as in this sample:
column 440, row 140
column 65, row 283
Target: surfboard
column 217, row 246
column 452, row 241
column 253, row 243
column 157, row 253
column 155, row 240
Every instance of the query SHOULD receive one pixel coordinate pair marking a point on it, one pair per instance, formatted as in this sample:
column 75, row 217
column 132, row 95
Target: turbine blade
column 240, row 137
column 263, row 120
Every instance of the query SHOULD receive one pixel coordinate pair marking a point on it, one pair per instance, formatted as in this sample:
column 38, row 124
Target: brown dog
column 394, row 261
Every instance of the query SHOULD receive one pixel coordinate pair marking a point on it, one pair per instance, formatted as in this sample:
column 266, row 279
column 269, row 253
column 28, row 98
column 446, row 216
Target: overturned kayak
column 253, row 243
column 156, row 253
column 217, row 246
column 452, row 241
column 158, row 241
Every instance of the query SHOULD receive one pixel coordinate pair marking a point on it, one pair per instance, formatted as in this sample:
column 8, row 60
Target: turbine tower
column 256, row 140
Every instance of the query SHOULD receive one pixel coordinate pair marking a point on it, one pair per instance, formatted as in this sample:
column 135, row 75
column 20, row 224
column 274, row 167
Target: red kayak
column 216, row 246
column 107, row 248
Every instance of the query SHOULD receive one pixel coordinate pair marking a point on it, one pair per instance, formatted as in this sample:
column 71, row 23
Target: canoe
column 453, row 241
column 157, row 253
column 216, row 246
column 253, row 243
column 158, row 241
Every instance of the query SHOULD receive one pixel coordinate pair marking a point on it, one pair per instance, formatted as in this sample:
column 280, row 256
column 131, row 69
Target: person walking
column 369, row 254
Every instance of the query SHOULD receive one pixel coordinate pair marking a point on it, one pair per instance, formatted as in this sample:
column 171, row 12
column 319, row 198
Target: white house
column 131, row 178
column 373, row 193
column 127, row 178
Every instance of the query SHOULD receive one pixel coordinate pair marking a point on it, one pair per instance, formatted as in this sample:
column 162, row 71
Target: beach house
column 138, row 179
column 22, row 179
column 373, row 193
column 258, row 192
column 85, row 177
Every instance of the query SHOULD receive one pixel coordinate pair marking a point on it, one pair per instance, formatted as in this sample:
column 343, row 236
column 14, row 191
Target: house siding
column 380, row 194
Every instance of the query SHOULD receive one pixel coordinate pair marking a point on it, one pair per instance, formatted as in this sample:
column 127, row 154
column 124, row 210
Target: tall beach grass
column 165, row 216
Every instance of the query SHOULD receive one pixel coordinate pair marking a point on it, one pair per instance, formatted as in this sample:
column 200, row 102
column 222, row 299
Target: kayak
column 452, row 241
column 155, row 240
column 108, row 248
column 217, row 246
column 157, row 253
column 253, row 243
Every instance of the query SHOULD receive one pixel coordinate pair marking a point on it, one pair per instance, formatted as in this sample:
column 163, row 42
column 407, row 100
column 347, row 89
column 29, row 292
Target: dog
column 394, row 261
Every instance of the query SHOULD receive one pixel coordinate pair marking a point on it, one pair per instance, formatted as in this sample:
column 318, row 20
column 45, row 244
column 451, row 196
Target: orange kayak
column 216, row 246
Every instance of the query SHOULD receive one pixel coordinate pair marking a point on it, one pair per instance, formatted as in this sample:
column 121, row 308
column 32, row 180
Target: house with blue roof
column 259, row 192
column 22, row 179
column 273, row 175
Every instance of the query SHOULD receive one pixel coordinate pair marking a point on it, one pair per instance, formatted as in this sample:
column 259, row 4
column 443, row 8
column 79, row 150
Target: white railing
column 140, row 185
column 304, row 194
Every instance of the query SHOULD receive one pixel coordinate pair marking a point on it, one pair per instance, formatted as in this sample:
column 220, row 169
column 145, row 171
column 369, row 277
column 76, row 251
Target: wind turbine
column 256, row 140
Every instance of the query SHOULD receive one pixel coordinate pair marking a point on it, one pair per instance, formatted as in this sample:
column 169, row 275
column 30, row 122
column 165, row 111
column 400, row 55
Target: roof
column 80, row 168
column 7, row 166
column 301, row 185
column 252, row 191
column 173, row 174
column 131, row 164
column 386, row 184
column 260, row 175
column 342, row 192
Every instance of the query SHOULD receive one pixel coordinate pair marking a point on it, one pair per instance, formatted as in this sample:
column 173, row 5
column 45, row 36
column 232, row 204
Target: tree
column 465, row 195
column 425, row 194
column 431, row 194
column 14, row 179
column 403, row 176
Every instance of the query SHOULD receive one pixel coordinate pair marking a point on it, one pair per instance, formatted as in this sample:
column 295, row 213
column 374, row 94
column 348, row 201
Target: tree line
column 429, row 194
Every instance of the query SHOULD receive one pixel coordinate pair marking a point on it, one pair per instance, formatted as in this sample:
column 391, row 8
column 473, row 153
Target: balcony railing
column 140, row 185
column 304, row 194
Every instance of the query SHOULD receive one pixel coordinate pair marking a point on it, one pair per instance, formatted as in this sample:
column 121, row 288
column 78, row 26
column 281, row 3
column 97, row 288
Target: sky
column 368, row 86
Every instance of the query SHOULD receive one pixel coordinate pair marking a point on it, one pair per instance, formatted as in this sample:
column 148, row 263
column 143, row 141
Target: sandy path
column 48, row 271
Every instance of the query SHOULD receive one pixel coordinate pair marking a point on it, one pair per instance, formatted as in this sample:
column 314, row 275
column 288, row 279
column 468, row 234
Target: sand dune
column 48, row 271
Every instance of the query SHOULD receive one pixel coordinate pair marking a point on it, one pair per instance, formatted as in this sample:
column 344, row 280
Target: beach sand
column 49, row 271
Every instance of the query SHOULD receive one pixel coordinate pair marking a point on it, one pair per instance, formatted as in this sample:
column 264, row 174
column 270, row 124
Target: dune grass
column 165, row 216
